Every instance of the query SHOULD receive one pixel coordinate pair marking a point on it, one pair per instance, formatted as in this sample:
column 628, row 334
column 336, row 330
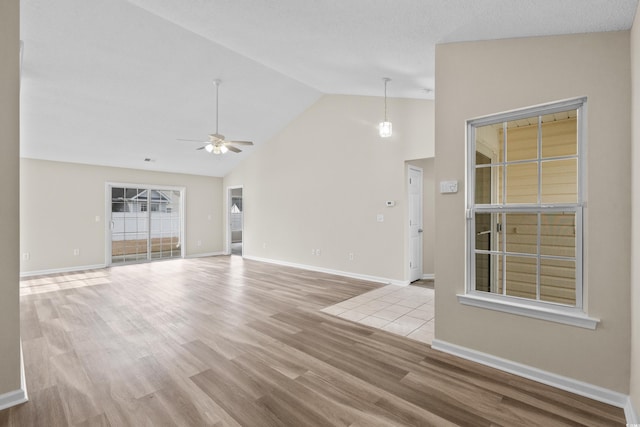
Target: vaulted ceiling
column 112, row 82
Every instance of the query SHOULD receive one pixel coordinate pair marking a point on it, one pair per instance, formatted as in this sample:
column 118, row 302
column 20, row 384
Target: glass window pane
column 484, row 231
column 522, row 139
column 488, row 185
column 483, row 179
column 521, row 232
column 498, row 274
column 558, row 281
column 560, row 181
column 156, row 244
column 558, row 234
column 522, row 183
column 486, row 271
column 489, row 142
column 560, row 134
column 117, row 247
column 521, row 276
column 117, row 193
column 117, row 207
column 130, row 244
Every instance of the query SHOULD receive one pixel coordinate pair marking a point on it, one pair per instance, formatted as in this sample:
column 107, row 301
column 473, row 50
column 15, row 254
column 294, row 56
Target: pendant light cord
column 386, row 80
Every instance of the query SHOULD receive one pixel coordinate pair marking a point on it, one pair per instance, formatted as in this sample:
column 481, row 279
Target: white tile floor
column 401, row 310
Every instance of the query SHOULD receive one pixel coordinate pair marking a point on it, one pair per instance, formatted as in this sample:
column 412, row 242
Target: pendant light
column 385, row 126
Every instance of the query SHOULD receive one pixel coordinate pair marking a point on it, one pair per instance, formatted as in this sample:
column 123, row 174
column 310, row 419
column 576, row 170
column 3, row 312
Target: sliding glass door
column 146, row 223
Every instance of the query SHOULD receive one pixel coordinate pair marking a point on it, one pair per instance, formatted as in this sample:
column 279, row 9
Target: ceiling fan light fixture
column 385, row 127
column 209, row 148
column 223, row 149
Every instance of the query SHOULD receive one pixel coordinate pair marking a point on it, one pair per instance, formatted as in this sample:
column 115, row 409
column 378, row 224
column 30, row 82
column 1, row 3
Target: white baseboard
column 368, row 278
column 16, row 397
column 61, row 270
column 630, row 413
column 207, row 254
column 591, row 391
column 428, row 277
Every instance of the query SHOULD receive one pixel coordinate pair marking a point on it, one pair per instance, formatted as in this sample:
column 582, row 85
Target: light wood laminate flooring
column 224, row 341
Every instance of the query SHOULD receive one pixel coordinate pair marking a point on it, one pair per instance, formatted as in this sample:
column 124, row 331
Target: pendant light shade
column 385, row 127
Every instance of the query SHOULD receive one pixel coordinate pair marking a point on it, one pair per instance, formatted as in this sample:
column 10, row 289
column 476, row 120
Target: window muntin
column 525, row 206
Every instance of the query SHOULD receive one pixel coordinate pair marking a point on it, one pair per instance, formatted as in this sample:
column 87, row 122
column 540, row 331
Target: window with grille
column 524, row 205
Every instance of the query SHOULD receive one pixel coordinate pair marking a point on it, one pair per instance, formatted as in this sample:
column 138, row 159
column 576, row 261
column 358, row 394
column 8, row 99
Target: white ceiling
column 112, row 82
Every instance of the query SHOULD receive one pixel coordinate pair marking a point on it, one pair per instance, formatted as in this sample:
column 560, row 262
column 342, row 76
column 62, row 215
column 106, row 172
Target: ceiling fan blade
column 201, row 148
column 189, row 140
column 234, row 149
column 240, row 142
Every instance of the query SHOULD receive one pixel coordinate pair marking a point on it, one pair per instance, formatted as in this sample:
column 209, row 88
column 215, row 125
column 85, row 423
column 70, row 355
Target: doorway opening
column 415, row 207
column 145, row 223
column 235, row 231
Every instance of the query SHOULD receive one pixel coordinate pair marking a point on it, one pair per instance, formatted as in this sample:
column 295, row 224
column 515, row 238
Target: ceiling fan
column 216, row 143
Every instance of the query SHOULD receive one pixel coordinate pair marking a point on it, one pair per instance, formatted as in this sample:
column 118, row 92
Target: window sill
column 573, row 318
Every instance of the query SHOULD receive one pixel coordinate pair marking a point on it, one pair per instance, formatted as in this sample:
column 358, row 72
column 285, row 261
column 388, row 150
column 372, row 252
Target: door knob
column 420, row 230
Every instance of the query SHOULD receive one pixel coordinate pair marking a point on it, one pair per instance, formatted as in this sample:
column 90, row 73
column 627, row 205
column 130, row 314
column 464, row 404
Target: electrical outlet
column 264, row 246
column 76, row 252
column 199, row 243
column 380, row 218
column 97, row 218
column 313, row 251
column 350, row 256
column 26, row 256
column 318, row 252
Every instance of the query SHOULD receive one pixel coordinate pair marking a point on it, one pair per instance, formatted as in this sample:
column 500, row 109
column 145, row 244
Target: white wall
column 60, row 201
column 511, row 74
column 322, row 181
column 9, row 188
column 635, row 226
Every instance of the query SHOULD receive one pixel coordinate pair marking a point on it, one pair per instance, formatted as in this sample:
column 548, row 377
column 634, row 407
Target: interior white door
column 415, row 223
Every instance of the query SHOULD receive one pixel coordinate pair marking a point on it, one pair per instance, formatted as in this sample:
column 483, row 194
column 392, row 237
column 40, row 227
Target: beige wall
column 320, row 183
column 9, row 188
column 59, row 203
column 635, row 225
column 428, row 212
column 510, row 74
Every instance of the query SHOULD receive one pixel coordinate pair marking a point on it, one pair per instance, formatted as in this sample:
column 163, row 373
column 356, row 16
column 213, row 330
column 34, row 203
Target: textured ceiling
column 112, row 82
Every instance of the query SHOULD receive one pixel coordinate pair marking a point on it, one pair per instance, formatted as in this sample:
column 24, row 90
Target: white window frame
column 561, row 313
